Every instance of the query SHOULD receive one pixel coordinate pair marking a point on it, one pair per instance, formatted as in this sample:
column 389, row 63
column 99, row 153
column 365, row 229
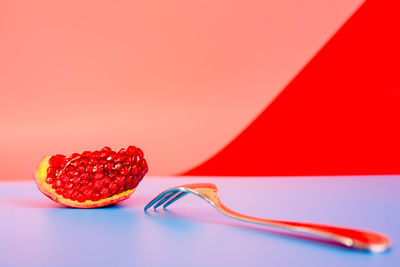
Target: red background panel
column 340, row 115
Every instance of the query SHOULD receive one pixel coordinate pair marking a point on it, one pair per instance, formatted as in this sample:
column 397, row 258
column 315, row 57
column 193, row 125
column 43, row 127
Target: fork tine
column 174, row 199
column 166, row 198
column 156, row 199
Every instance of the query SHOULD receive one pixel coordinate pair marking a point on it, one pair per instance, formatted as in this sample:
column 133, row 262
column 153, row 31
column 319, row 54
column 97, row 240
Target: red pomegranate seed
column 104, row 154
column 58, row 183
column 104, row 192
column 128, row 161
column 86, row 154
column 56, row 160
column 85, row 181
column 64, row 178
column 106, row 180
column 75, row 180
column 69, row 185
column 98, row 176
column 139, row 152
column 89, row 168
column 95, row 196
column 120, row 180
column 85, row 161
column 51, row 170
column 98, row 167
column 134, row 170
column 96, row 154
column 64, row 163
column 108, row 166
column 88, row 193
column 81, row 197
column 67, row 193
column 133, row 160
column 111, row 156
column 74, row 163
column 74, row 195
column 57, row 172
column 73, row 173
column 106, row 148
column 82, row 188
column 93, row 161
column 81, row 169
column 120, row 156
column 117, row 166
column 121, row 190
column 112, row 174
column 97, row 185
column 84, row 176
column 125, row 170
column 131, row 150
column 112, row 186
column 128, row 181
column 60, row 190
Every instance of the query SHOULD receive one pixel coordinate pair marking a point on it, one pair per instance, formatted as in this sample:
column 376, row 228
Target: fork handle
column 359, row 239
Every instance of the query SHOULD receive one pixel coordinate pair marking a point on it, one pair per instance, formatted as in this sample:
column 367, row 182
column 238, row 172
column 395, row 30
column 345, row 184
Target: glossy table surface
column 34, row 231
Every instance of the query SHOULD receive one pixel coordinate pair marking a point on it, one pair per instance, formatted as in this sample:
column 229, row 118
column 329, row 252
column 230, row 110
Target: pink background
column 179, row 79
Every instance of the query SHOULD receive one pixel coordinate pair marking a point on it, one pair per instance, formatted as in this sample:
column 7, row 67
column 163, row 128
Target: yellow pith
column 42, row 174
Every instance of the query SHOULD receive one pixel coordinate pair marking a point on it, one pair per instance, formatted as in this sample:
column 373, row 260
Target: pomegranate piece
column 91, row 179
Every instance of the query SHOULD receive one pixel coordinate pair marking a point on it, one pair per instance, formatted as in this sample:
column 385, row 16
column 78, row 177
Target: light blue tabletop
column 34, row 231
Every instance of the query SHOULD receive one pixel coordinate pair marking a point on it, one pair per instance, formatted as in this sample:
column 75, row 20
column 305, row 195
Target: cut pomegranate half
column 91, row 179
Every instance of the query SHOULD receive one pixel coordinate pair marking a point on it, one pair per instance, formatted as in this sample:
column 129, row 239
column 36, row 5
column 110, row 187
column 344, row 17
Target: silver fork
column 353, row 238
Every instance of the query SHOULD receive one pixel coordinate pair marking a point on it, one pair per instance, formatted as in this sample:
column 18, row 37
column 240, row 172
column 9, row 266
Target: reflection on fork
column 353, row 238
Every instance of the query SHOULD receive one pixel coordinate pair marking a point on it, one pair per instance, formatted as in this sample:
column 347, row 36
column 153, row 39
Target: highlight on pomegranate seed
column 91, row 179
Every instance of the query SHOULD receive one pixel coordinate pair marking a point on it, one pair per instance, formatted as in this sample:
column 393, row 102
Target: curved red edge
column 339, row 116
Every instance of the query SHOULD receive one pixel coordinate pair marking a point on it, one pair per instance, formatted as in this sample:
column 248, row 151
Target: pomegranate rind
column 40, row 179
